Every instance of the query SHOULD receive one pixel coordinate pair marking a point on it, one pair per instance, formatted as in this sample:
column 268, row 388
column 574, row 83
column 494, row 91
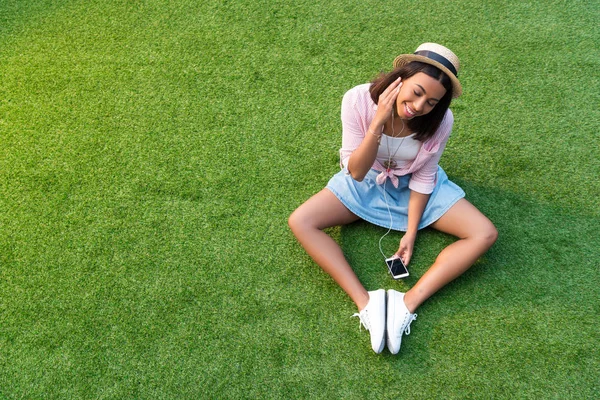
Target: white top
column 403, row 150
column 358, row 111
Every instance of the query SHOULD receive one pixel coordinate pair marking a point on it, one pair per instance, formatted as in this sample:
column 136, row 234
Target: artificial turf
column 151, row 151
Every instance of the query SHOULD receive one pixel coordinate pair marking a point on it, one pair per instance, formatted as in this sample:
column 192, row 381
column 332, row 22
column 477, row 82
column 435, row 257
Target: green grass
column 151, row 152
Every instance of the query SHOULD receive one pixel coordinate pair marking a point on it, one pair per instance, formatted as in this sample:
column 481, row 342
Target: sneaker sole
column 383, row 341
column 389, row 321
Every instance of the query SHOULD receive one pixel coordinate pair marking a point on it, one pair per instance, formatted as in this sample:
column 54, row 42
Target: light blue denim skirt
column 366, row 199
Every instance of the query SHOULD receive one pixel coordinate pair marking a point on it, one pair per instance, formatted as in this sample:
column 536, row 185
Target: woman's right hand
column 385, row 105
column 362, row 158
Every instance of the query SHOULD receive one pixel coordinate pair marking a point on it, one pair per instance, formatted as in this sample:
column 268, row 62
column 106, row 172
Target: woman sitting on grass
column 395, row 130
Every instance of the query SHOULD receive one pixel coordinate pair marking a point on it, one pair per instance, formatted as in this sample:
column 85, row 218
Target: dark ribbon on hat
column 436, row 57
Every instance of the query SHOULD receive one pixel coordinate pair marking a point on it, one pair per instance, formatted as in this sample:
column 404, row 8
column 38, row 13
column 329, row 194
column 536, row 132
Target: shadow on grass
column 18, row 15
column 535, row 241
column 505, row 317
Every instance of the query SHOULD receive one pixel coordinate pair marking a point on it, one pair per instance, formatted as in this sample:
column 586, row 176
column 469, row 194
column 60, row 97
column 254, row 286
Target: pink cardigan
column 358, row 110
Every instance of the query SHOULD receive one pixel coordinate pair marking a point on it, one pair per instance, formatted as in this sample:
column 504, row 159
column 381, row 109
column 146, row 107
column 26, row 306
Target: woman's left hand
column 406, row 247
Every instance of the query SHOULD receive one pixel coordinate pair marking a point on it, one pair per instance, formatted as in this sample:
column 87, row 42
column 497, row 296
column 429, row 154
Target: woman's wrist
column 377, row 135
column 410, row 233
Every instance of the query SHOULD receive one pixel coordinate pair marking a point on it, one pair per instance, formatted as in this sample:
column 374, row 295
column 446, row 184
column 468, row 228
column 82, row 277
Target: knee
column 488, row 234
column 296, row 221
column 293, row 220
column 302, row 221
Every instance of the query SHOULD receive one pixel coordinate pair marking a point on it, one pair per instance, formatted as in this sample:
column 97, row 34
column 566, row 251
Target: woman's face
column 418, row 95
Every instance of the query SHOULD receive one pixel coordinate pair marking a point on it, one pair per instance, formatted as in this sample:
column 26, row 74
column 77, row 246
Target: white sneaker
column 372, row 317
column 398, row 320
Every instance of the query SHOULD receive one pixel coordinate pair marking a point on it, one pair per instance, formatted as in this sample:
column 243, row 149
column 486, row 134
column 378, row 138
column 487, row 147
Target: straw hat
column 438, row 56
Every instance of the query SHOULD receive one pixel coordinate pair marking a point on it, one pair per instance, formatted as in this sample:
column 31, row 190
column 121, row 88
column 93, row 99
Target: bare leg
column 476, row 235
column 321, row 211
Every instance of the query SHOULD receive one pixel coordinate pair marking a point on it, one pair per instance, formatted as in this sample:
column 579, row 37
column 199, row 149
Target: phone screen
column 397, row 268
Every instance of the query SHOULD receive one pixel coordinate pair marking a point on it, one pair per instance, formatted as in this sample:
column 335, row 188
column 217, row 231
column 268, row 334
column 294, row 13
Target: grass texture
column 152, row 150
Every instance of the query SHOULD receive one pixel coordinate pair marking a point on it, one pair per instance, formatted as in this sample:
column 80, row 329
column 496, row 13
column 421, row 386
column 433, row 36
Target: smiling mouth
column 409, row 111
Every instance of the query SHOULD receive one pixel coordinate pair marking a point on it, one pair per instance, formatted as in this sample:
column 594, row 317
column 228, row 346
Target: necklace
column 391, row 163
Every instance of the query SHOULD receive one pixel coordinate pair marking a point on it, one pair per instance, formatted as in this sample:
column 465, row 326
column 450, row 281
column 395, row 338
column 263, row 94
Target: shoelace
column 411, row 318
column 363, row 316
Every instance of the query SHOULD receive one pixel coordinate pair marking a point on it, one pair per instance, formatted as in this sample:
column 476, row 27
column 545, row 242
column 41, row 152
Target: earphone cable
column 391, row 221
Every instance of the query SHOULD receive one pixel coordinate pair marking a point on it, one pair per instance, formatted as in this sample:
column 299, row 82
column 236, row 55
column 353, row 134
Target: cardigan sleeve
column 424, row 179
column 354, row 122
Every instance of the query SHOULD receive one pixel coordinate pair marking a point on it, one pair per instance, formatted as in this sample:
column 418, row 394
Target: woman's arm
column 361, row 160
column 423, row 179
column 416, row 206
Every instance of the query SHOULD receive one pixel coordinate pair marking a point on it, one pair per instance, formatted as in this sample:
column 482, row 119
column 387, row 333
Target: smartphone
column 396, row 267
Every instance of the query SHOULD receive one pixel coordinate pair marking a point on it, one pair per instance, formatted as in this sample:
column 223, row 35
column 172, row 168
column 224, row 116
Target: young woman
column 394, row 132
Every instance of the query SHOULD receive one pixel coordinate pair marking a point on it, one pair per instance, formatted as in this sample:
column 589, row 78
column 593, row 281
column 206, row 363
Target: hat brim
column 404, row 59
